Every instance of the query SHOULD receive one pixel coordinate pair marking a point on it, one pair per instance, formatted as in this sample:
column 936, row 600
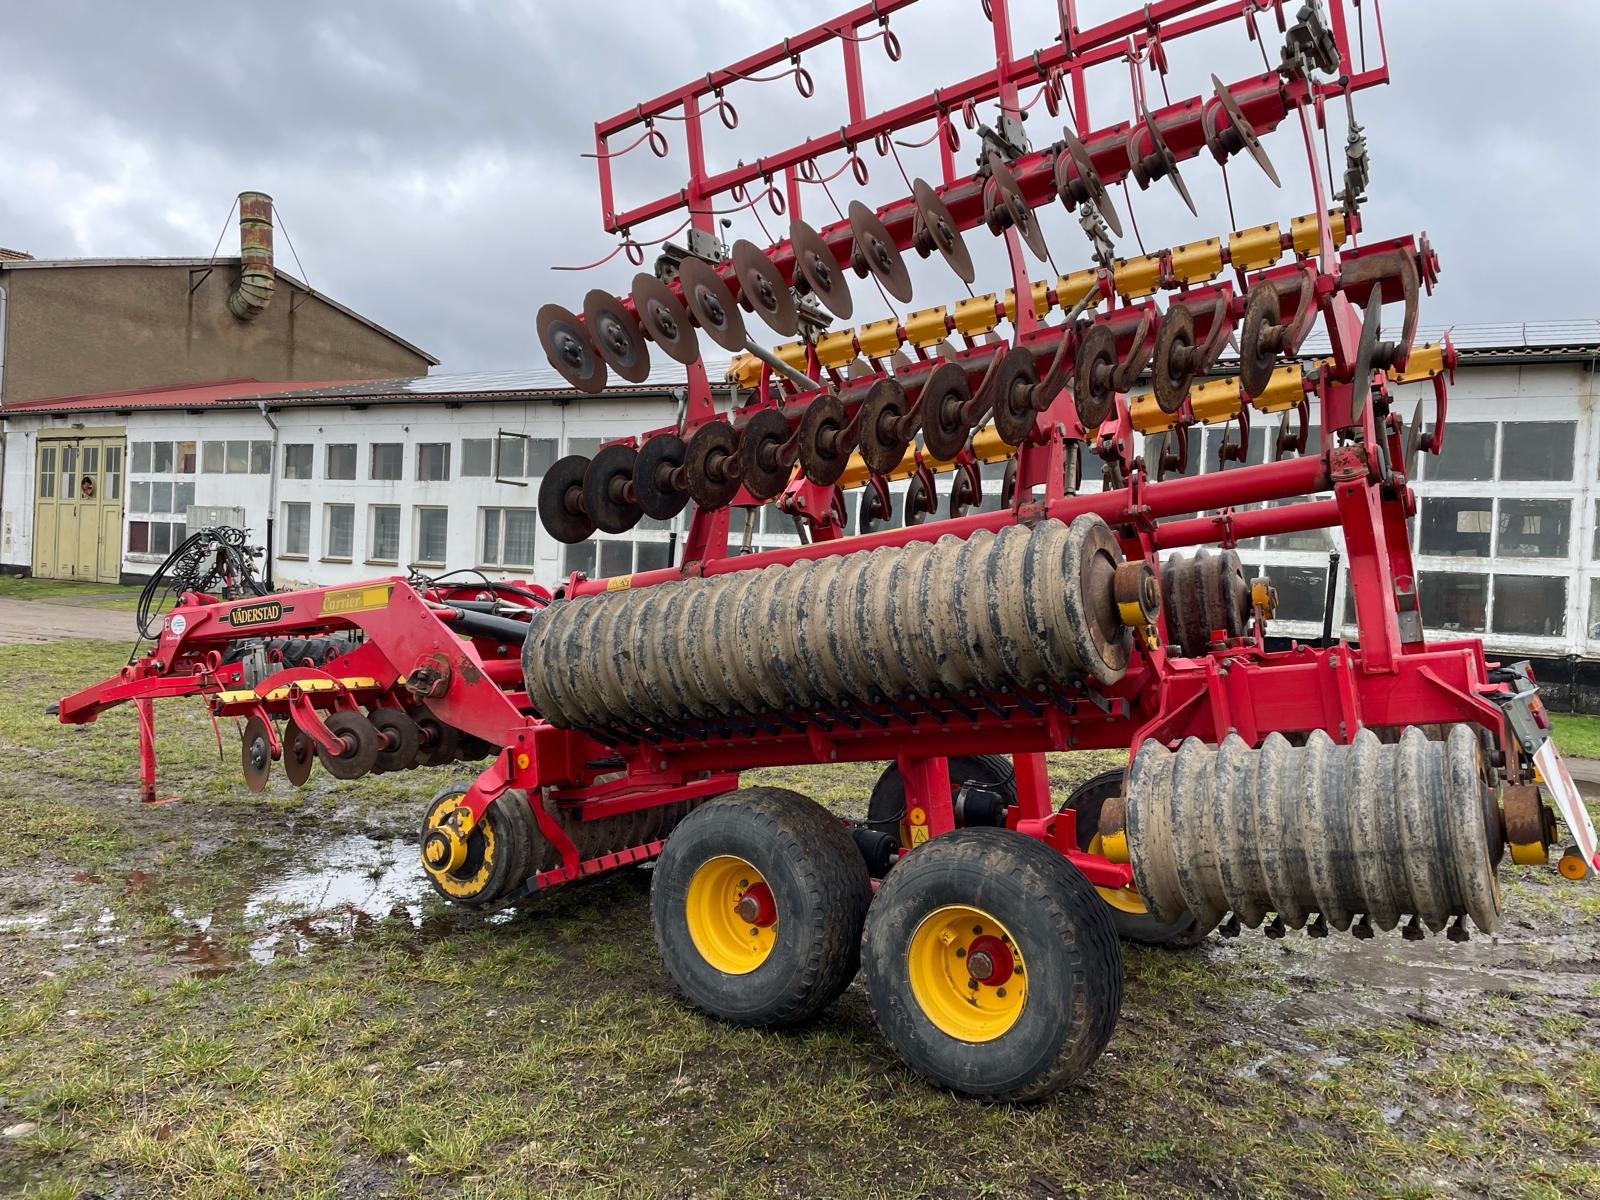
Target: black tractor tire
column 1049, row 915
column 819, row 889
column 886, row 808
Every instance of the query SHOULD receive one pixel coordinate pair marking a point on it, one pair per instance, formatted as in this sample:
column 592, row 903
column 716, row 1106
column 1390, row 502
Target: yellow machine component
column 1070, row 289
column 1264, row 598
column 967, row 973
column 237, row 697
column 837, row 348
column 792, row 354
column 879, row 339
column 1425, row 362
column 1572, row 866
column 986, row 447
column 1147, row 414
column 927, row 327
column 744, row 370
column 1216, row 399
column 445, row 850
column 1136, row 277
column 1303, row 231
column 1251, row 249
column 1283, row 391
column 1041, row 300
column 730, row 914
column 1114, row 846
column 1530, row 854
column 1197, row 262
column 976, row 315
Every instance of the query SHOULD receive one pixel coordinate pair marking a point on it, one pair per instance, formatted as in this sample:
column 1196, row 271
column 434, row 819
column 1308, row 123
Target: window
column 47, row 476
column 297, row 461
column 339, row 534
column 653, row 556
column 69, row 472
column 296, row 530
column 341, row 461
column 139, row 496
column 141, row 458
column 1314, row 541
column 1452, row 600
column 211, row 455
column 1536, row 450
column 539, row 455
column 1594, row 611
column 616, row 558
column 433, row 461
column 182, row 498
column 1530, row 605
column 161, row 497
column 512, row 452
column 587, row 447
column 236, row 459
column 507, row 537
column 261, row 458
column 1468, row 453
column 161, row 458
column 183, row 458
column 1302, row 592
column 1533, row 528
column 384, row 522
column 154, row 538
column 386, row 460
column 578, row 558
column 432, row 535
column 477, row 458
column 113, row 484
column 138, row 537
column 1456, row 526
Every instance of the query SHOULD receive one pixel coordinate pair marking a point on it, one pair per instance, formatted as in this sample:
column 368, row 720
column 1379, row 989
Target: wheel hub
column 966, row 974
column 756, row 906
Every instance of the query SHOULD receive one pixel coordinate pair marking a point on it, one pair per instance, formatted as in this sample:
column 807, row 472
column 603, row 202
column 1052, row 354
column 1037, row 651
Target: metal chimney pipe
column 251, row 295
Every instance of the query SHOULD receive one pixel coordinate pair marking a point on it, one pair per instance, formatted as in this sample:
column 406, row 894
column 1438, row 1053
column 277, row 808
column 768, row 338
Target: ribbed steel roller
column 993, row 612
column 1367, row 832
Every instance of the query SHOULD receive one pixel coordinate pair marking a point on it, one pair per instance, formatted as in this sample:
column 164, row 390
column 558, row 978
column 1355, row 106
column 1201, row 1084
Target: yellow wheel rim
column 967, row 973
column 470, row 878
column 1124, row 899
column 732, row 917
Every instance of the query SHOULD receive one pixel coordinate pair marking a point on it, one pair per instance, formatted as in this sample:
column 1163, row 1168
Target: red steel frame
column 412, row 656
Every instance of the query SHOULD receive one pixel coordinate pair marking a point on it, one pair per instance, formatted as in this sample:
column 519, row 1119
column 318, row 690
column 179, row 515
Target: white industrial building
column 442, row 472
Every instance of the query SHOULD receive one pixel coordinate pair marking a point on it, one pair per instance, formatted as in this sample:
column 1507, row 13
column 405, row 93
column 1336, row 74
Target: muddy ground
column 240, row 995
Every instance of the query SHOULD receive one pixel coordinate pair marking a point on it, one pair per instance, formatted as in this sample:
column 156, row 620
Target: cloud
column 425, row 156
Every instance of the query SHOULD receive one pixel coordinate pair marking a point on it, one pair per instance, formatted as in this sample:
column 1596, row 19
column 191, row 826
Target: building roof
column 540, row 383
column 8, row 255
column 1527, row 341
column 27, row 263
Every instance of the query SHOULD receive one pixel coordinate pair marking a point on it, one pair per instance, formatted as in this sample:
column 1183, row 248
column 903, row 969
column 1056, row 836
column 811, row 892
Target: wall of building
column 86, row 329
column 235, row 458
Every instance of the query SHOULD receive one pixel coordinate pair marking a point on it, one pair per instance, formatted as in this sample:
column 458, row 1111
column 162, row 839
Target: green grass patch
column 63, row 591
column 1577, row 734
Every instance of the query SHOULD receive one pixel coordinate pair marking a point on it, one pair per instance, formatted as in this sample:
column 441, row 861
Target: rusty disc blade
column 1257, row 357
column 570, row 349
column 939, row 411
column 763, row 290
column 561, row 510
column 1172, row 369
column 664, row 318
column 711, row 304
column 1016, row 204
column 876, row 251
column 299, row 754
column 653, row 472
column 1161, row 150
column 882, row 429
column 816, row 265
column 255, row 753
column 616, row 334
column 942, row 230
column 712, row 464
column 1014, row 388
column 606, row 481
column 1078, row 165
column 1093, row 393
column 1244, row 129
column 824, row 442
column 767, row 470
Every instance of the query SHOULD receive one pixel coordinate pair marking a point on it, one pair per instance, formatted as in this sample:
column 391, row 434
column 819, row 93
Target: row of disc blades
column 611, row 335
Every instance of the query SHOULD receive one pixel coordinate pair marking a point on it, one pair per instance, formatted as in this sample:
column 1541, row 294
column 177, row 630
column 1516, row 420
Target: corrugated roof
column 8, row 255
column 197, row 263
column 1508, row 341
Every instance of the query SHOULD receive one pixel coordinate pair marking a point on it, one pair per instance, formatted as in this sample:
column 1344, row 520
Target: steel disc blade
column 711, row 304
column 1159, row 147
column 712, row 465
column 1082, row 165
column 1174, row 339
column 1244, row 129
column 255, row 753
column 561, row 510
column 1371, row 331
column 877, row 251
column 653, row 470
column 616, row 334
column 1022, row 218
column 664, row 318
column 824, row 447
column 299, row 754
column 816, row 264
column 606, row 482
column 569, row 348
column 1413, row 442
column 942, row 230
column 761, row 442
column 882, row 428
column 763, row 290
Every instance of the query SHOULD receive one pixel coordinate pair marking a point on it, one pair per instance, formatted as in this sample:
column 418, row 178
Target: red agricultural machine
column 1350, row 786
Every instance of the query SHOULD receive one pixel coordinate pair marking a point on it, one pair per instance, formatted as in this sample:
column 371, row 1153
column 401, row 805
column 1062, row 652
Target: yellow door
column 46, row 510
column 78, row 508
column 110, row 566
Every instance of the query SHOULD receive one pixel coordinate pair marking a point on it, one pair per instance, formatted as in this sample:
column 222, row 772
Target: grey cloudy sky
column 424, row 154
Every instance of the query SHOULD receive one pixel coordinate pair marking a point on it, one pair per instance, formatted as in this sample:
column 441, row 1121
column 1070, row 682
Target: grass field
column 1577, row 735
column 61, row 591
column 256, row 995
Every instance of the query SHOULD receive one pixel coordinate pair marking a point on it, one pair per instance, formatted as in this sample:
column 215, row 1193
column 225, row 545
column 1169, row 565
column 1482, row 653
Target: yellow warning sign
column 619, row 583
